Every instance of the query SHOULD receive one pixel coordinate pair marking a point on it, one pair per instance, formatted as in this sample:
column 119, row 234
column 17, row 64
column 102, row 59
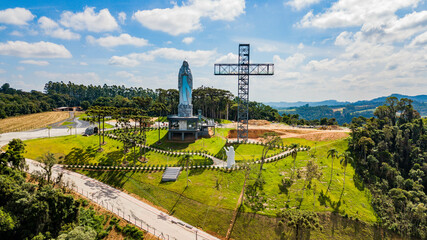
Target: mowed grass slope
column 84, row 150
column 209, row 200
column 31, row 121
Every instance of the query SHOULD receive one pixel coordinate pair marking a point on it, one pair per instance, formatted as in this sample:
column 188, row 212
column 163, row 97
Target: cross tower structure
column 243, row 69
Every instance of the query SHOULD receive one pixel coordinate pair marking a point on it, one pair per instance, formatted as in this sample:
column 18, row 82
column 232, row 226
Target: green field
column 211, row 196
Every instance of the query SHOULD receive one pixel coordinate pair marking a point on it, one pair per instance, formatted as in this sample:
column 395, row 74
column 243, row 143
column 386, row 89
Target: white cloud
column 124, row 74
column 16, row 16
column 16, row 33
column 344, row 39
column 266, row 48
column 188, row 40
column 2, row 28
column 20, row 68
column 123, row 39
column 34, row 50
column 349, row 13
column 195, row 58
column 229, row 58
column 186, row 18
column 35, row 62
column 300, row 4
column 83, row 64
column 122, row 17
column 2, row 71
column 52, row 29
column 89, row 20
column 420, row 40
column 122, row 61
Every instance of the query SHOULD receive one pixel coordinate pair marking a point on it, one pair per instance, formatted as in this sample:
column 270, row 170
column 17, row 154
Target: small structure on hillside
column 67, row 109
column 90, row 131
column 230, row 156
column 185, row 123
column 171, row 174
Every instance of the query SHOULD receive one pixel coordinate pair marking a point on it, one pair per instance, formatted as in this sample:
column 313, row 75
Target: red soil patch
column 314, row 135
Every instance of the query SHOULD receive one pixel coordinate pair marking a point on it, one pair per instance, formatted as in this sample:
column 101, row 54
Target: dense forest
column 214, row 103
column 390, row 155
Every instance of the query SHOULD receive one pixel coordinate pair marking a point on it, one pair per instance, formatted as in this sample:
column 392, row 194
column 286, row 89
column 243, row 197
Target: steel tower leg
column 243, row 93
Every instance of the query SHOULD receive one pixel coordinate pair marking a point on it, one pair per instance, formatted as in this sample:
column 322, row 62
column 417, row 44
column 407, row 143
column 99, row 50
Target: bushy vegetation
column 390, row 153
column 46, row 210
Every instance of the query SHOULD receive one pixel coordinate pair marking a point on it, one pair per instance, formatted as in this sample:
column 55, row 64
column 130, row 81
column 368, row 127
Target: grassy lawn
column 249, row 152
column 82, row 149
column 155, row 158
column 209, row 200
column 213, row 144
column 66, row 123
column 212, row 194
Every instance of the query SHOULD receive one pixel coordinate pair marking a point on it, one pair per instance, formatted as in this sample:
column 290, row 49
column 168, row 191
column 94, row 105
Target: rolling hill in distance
column 343, row 111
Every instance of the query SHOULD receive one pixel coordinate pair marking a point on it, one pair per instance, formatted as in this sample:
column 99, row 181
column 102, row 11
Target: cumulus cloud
column 300, row 4
column 122, row 61
column 122, row 17
column 228, row 58
column 350, row 13
column 35, row 62
column 51, row 28
column 186, row 18
column 34, row 50
column 16, row 16
column 420, row 40
column 123, row 39
column 196, row 58
column 90, row 20
column 188, row 40
column 124, row 74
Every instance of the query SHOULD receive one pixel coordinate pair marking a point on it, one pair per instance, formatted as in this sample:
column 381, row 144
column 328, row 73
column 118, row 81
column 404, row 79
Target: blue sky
column 342, row 49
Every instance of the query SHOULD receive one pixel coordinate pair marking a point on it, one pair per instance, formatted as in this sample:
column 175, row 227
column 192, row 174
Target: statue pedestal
column 185, row 110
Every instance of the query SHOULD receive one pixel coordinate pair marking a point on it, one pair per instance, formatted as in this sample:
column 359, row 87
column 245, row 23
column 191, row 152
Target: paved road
column 38, row 133
column 132, row 209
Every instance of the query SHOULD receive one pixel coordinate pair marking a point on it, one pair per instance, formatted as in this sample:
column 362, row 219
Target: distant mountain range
column 343, row 112
column 281, row 105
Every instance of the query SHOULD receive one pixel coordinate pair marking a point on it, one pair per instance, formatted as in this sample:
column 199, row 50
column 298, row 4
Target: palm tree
column 345, row 159
column 48, row 129
column 332, row 153
column 270, row 140
column 69, row 129
column 159, row 108
column 187, row 159
column 294, row 153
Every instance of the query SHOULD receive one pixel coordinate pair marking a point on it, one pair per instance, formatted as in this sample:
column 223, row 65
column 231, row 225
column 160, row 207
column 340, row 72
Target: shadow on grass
column 81, row 155
column 113, row 178
column 111, row 158
column 324, row 199
column 172, row 211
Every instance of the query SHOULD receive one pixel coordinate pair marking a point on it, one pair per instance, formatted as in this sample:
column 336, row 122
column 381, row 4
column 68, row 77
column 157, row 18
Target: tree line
column 390, row 156
column 213, row 103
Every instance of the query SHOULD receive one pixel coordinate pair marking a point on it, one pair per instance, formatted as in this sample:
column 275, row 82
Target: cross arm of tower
column 254, row 69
